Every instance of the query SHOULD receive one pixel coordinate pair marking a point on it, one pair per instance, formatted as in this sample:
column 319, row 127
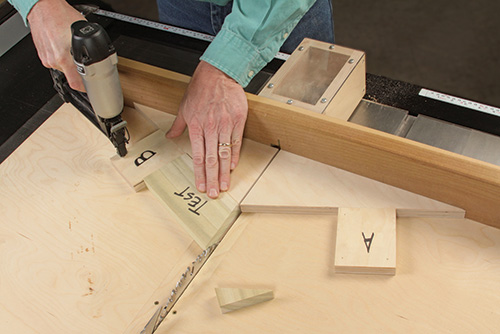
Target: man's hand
column 215, row 109
column 50, row 22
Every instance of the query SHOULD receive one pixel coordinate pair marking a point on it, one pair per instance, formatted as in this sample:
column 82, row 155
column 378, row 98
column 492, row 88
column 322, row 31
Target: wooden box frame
column 445, row 176
column 337, row 72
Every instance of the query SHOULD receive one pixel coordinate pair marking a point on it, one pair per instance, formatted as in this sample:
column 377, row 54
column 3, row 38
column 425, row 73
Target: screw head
column 323, row 100
column 351, row 61
column 289, row 101
column 332, row 47
column 271, row 85
column 301, row 48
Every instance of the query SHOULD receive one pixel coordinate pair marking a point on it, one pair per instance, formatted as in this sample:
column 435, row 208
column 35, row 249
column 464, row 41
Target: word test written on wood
column 205, row 220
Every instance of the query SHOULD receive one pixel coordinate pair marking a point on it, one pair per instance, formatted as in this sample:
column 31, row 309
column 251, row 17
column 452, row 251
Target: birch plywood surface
column 79, row 252
column 447, row 280
column 294, row 184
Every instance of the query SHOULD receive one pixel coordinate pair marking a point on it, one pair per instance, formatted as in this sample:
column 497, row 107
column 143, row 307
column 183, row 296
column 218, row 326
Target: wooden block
column 366, row 241
column 321, row 77
column 164, row 121
column 206, row 220
column 145, row 157
column 294, row 184
column 231, row 299
column 139, row 125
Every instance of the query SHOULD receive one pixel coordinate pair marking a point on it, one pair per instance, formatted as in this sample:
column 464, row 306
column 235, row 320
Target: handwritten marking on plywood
column 205, row 220
column 366, row 241
column 294, row 184
column 144, row 157
column 232, row 299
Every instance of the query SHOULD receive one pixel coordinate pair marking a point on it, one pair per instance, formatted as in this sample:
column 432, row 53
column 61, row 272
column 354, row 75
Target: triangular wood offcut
column 232, row 299
column 294, row 184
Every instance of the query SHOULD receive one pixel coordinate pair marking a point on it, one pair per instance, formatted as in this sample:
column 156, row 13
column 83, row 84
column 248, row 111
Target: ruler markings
column 460, row 102
column 169, row 28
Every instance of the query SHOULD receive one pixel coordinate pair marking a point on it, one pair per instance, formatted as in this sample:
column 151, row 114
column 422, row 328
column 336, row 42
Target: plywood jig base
column 447, row 280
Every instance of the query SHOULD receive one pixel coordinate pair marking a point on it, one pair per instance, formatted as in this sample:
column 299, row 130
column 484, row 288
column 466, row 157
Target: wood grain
column 79, row 251
column 447, row 280
column 366, row 241
column 294, row 184
column 463, row 182
column 233, row 299
column 139, row 125
column 206, row 220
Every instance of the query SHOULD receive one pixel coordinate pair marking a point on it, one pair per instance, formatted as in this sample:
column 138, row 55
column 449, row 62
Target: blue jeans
column 208, row 18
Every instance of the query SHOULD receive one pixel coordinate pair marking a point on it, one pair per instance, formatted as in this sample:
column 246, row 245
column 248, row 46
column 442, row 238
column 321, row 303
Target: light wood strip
column 206, row 220
column 294, row 184
column 451, row 178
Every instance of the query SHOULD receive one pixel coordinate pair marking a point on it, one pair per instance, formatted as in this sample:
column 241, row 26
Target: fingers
column 224, row 148
column 177, row 127
column 214, row 108
column 212, row 163
column 198, row 152
column 74, row 79
column 237, row 138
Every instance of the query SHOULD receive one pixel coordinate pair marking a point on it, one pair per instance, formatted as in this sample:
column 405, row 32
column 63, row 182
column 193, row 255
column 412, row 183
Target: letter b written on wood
column 145, row 156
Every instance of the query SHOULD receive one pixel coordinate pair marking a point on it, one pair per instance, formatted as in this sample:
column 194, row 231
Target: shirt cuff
column 23, row 7
column 236, row 57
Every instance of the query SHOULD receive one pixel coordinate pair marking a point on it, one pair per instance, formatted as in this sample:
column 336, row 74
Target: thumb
column 177, row 127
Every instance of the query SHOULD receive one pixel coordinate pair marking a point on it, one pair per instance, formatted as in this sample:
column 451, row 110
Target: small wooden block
column 145, row 157
column 321, row 77
column 139, row 126
column 231, row 299
column 206, row 220
column 366, row 241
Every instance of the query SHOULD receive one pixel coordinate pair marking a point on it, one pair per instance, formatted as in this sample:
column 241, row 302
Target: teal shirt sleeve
column 252, row 35
column 23, row 7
